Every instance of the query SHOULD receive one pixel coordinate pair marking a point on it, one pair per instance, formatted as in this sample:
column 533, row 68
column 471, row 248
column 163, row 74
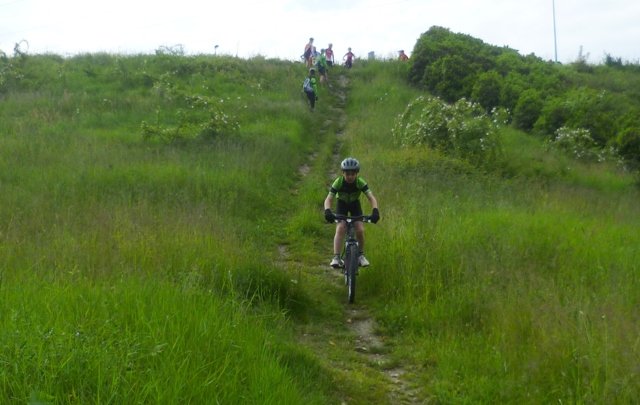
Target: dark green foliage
column 628, row 143
column 513, row 84
column 594, row 110
column 510, row 62
column 527, row 109
column 543, row 96
column 554, row 114
column 446, row 63
column 612, row 61
column 454, row 66
column 487, row 90
column 447, row 78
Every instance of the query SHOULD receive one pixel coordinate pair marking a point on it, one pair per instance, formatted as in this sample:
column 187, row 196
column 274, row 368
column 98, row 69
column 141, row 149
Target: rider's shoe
column 362, row 261
column 336, row 262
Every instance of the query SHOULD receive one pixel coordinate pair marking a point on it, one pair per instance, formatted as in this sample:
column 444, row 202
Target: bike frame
column 350, row 253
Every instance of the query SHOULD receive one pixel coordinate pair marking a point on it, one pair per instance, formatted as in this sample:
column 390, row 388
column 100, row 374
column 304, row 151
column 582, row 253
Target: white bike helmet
column 350, row 164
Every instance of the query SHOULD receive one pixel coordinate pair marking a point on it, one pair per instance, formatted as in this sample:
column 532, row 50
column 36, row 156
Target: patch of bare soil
column 372, row 346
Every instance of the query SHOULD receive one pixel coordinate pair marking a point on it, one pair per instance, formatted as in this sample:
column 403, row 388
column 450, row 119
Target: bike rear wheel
column 351, row 268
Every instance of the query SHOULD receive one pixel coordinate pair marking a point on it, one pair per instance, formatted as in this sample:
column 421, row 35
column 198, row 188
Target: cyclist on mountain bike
column 348, row 188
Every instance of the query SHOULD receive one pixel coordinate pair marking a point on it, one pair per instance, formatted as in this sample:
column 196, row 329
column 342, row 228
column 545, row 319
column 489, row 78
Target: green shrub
column 487, row 90
column 453, row 66
column 447, row 63
column 201, row 116
column 544, row 96
column 462, row 129
column 554, row 114
column 528, row 109
column 10, row 75
column 628, row 143
column 596, row 110
column 513, row 84
column 447, row 78
column 578, row 143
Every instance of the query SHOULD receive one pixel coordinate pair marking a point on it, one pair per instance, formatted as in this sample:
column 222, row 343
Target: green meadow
column 160, row 243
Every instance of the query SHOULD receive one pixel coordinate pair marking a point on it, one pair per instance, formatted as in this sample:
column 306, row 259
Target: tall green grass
column 139, row 340
column 500, row 289
column 142, row 271
column 172, row 271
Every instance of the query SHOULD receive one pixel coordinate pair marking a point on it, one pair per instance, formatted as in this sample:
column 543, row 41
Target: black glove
column 375, row 216
column 329, row 216
column 316, row 98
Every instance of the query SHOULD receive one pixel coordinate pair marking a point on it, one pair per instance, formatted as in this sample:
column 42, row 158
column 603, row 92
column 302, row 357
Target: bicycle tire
column 344, row 273
column 351, row 265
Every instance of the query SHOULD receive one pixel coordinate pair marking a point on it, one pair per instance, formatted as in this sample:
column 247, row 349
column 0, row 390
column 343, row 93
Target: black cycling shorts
column 353, row 208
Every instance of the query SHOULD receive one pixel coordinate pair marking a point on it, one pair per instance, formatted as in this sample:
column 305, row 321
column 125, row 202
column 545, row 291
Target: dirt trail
column 373, row 354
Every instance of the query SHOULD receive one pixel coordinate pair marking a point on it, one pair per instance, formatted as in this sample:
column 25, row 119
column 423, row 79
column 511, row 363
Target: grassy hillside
column 161, row 240
column 500, row 289
column 141, row 270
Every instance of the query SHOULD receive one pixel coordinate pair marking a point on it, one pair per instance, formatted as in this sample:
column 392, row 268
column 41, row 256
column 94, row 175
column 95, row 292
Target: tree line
column 601, row 102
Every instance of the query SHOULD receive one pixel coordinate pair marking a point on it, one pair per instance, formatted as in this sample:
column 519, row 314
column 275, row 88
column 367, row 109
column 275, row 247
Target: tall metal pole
column 555, row 41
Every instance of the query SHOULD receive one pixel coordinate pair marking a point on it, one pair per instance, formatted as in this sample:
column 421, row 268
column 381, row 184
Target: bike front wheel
column 351, row 269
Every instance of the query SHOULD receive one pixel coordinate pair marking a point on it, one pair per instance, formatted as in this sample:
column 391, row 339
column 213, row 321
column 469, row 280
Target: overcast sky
column 280, row 28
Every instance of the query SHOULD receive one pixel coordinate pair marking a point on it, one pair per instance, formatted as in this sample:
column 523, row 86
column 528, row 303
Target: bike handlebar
column 363, row 218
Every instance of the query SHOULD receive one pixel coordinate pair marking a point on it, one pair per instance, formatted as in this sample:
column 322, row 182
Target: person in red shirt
column 349, row 59
column 329, row 54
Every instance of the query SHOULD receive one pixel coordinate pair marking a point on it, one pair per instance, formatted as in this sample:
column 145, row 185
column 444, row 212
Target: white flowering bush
column 201, row 116
column 10, row 74
column 462, row 129
column 579, row 143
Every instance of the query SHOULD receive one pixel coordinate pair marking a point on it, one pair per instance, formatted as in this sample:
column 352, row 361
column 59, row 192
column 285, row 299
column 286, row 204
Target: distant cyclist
column 310, row 88
column 348, row 58
column 321, row 64
column 329, row 54
column 347, row 188
column 308, row 53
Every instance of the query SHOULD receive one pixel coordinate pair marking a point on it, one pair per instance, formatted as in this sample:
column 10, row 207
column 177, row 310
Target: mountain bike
column 350, row 253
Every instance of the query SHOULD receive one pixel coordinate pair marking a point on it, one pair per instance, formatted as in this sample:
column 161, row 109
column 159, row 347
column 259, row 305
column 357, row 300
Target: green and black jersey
column 349, row 192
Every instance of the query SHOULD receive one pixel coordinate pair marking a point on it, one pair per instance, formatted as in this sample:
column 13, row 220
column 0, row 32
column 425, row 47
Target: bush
column 513, row 84
column 453, row 66
column 487, row 90
column 554, row 114
column 628, row 144
column 527, row 109
column 201, row 116
column 447, row 63
column 578, row 143
column 463, row 129
column 447, row 77
column 597, row 111
column 10, row 75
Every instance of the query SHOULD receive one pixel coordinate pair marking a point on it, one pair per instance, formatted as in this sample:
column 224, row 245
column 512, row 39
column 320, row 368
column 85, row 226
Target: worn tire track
column 370, row 347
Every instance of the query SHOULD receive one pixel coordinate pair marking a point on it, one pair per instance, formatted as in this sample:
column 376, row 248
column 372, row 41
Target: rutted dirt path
column 366, row 346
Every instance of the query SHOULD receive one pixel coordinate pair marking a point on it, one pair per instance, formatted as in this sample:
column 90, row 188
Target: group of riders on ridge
column 319, row 62
column 312, row 55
